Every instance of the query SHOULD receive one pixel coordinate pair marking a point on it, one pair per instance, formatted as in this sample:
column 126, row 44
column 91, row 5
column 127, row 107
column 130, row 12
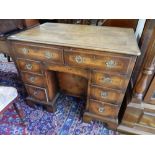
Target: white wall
column 139, row 28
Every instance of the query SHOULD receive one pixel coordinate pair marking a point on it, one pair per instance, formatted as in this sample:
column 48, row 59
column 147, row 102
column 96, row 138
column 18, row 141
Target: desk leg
column 87, row 118
column 30, row 103
column 111, row 123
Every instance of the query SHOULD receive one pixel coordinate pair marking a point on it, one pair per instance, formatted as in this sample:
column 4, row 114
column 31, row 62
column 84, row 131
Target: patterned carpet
column 66, row 120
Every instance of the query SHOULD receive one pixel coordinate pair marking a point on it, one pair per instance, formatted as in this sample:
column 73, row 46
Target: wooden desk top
column 110, row 39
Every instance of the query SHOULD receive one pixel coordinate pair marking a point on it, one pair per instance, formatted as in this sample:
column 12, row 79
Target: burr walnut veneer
column 85, row 61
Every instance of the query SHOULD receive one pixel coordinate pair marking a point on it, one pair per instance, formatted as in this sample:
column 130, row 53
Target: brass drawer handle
column 101, row 109
column 32, row 79
column 79, row 59
column 106, row 80
column 48, row 55
column 104, row 94
column 110, row 63
column 25, row 51
column 29, row 66
column 36, row 92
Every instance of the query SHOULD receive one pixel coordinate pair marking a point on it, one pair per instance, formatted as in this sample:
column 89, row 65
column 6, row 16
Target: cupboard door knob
column 48, row 55
column 25, row 51
column 29, row 66
column 78, row 59
column 104, row 94
column 101, row 109
column 110, row 63
column 32, row 79
column 106, row 80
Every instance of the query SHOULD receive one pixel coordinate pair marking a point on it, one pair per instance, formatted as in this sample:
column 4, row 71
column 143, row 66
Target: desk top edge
column 38, row 35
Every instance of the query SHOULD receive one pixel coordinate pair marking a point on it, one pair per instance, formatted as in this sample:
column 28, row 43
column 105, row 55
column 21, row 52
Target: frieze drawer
column 51, row 54
column 107, row 62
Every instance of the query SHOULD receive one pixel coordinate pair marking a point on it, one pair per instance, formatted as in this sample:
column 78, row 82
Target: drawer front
column 103, row 109
column 29, row 65
column 109, row 80
column 106, row 63
column 106, row 95
column 51, row 54
column 33, row 79
column 37, row 93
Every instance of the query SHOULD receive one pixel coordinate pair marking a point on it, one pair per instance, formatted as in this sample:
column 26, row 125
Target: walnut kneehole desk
column 85, row 61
